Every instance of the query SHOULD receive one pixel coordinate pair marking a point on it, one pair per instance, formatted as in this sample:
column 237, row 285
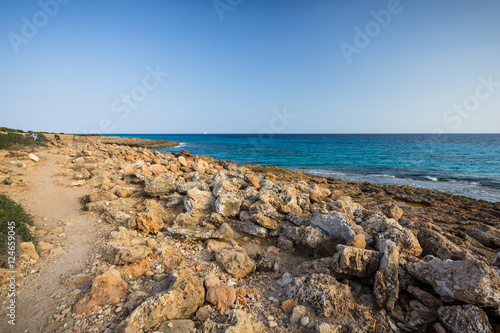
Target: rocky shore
column 190, row 244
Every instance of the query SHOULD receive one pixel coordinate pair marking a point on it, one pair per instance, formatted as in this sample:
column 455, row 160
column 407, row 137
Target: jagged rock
column 437, row 245
column 484, row 238
column 420, row 317
column 298, row 312
column 336, row 226
column 182, row 298
column 183, row 188
column 464, row 319
column 425, row 297
column 318, row 266
column 121, row 204
column 125, row 192
column 223, row 232
column 236, row 262
column 266, row 222
column 28, row 249
column 406, row 241
column 99, row 195
column 163, row 184
column 14, row 180
column 386, row 286
column 268, row 260
column 77, row 280
column 327, row 296
column 244, row 322
column 250, row 228
column 349, row 208
column 199, row 202
column 169, row 255
column 353, row 261
column 135, row 270
column 311, row 237
column 151, row 221
column 392, row 211
column 264, row 208
column 471, row 281
column 108, row 288
column 358, row 241
column 176, row 326
column 228, row 204
column 33, row 157
column 221, row 296
column 120, row 255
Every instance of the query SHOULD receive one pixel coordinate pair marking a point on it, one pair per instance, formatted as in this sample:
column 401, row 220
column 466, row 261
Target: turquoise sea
column 461, row 164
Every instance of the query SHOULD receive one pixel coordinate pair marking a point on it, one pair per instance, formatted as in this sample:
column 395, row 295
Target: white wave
column 434, row 179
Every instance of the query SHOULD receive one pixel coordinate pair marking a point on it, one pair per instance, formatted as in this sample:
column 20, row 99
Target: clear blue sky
column 81, row 66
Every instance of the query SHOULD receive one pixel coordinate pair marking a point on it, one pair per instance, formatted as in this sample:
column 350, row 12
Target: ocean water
column 461, row 164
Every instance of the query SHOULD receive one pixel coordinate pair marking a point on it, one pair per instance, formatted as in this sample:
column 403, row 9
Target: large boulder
column 311, row 237
column 353, row 261
column 163, row 184
column 108, row 288
column 152, row 219
column 236, row 262
column 471, row 281
column 221, row 296
column 439, row 246
column 386, row 285
column 406, row 241
column 182, row 298
column 199, row 202
column 327, row 296
column 228, row 204
column 121, row 255
column 484, row 238
column 464, row 319
column 336, row 226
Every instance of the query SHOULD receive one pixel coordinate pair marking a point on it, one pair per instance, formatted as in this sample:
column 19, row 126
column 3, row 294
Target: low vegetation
column 16, row 140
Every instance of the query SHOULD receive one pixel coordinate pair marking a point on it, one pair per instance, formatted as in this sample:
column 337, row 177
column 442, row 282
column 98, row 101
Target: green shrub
column 12, row 211
column 19, row 140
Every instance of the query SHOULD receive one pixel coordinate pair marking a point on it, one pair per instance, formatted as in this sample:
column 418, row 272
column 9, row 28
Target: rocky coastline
column 198, row 245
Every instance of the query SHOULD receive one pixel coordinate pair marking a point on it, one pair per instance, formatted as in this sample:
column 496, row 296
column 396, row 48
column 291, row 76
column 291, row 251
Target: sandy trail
column 49, row 203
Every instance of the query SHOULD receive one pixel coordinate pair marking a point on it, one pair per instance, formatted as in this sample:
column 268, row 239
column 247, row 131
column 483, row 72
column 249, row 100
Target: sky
column 241, row 66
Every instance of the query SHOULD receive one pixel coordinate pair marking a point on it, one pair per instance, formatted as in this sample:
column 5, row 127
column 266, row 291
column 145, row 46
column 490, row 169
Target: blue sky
column 241, row 66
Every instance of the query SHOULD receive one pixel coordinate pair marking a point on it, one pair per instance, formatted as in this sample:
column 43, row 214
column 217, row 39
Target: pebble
column 304, row 321
column 272, row 324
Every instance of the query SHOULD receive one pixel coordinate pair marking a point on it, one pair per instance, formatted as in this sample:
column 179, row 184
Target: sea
column 460, row 164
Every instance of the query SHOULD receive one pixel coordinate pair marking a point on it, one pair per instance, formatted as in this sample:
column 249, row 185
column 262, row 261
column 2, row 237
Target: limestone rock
column 99, row 195
column 358, row 241
column 176, row 326
column 28, row 249
column 228, row 204
column 244, row 322
column 120, row 255
column 471, row 281
column 484, row 238
column 221, row 296
column 33, row 157
column 236, row 262
column 439, row 246
column 392, row 211
column 152, row 220
column 406, row 241
column 181, row 300
column 108, row 288
column 464, row 319
column 199, row 202
column 137, row 269
column 77, row 280
column 353, row 261
column 386, row 286
column 425, row 297
column 266, row 222
column 336, row 226
column 311, row 237
column 163, row 184
column 327, row 296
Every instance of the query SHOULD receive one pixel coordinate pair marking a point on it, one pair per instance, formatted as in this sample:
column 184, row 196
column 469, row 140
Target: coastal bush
column 15, row 140
column 10, row 211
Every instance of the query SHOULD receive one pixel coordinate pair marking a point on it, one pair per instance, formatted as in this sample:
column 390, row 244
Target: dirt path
column 52, row 205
